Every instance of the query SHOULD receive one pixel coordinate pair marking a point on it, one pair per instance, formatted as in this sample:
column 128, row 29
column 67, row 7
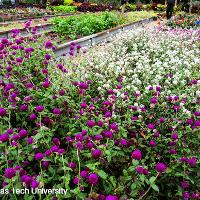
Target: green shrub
column 68, row 2
column 131, row 7
column 87, row 24
column 147, row 7
column 66, row 9
column 161, row 7
column 178, row 8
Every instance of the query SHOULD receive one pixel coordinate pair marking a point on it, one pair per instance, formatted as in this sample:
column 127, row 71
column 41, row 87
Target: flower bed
column 122, row 121
column 19, row 13
column 185, row 21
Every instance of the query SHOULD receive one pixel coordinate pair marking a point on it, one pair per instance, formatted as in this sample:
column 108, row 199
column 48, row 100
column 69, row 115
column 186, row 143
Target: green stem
column 148, row 188
column 79, row 168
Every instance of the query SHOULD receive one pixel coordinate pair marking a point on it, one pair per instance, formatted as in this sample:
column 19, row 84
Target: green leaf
column 155, row 187
column 102, row 174
column 152, row 180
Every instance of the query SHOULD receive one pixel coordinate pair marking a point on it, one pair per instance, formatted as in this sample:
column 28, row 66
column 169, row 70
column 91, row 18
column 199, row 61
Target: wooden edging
column 104, row 36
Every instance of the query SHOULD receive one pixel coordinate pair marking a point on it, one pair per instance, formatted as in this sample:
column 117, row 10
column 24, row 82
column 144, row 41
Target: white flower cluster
column 147, row 57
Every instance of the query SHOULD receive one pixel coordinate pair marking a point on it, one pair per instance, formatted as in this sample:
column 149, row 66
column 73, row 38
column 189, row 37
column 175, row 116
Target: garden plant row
column 119, row 122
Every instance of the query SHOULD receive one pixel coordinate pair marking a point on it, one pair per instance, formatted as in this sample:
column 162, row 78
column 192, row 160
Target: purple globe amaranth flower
column 89, row 145
column 111, row 197
column 24, row 108
column 83, row 105
column 33, row 117
column 46, row 164
column 100, row 123
column 174, row 136
column 153, row 100
column 108, row 134
column 10, row 131
column 134, row 118
column 4, row 137
column 114, row 127
column 123, row 142
column 197, row 113
column 38, row 156
column 151, row 126
column 136, row 154
column 157, row 134
column 192, row 161
column 172, row 151
column 98, row 137
column 84, row 174
column 93, row 179
column 195, row 196
column 76, row 181
column 46, row 84
column 56, row 111
column 23, row 133
column 48, row 152
column 26, row 179
column 176, row 108
column 96, row 153
column 184, row 184
column 186, row 195
column 190, row 121
column 108, row 114
column 61, row 92
column 4, row 41
column 54, row 148
column 48, row 45
column 145, row 172
column 197, row 123
column 47, row 57
column 160, row 167
column 9, row 173
column 2, row 112
column 91, row 123
column 83, row 85
column 39, row 108
column 30, row 140
column 162, row 120
column 152, row 143
column 19, row 60
column 72, row 165
column 34, row 184
column 139, row 169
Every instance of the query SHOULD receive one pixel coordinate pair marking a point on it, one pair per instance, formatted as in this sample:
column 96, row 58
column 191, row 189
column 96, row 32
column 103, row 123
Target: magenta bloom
column 93, row 179
column 2, row 112
column 184, row 184
column 34, row 184
column 4, row 137
column 84, row 174
column 56, row 111
column 91, row 123
column 111, row 197
column 47, row 57
column 137, row 155
column 152, row 143
column 38, row 156
column 150, row 126
column 96, row 153
column 48, row 45
column 153, row 100
column 33, row 117
column 160, row 167
column 139, row 169
column 9, row 173
column 23, row 133
column 39, row 108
